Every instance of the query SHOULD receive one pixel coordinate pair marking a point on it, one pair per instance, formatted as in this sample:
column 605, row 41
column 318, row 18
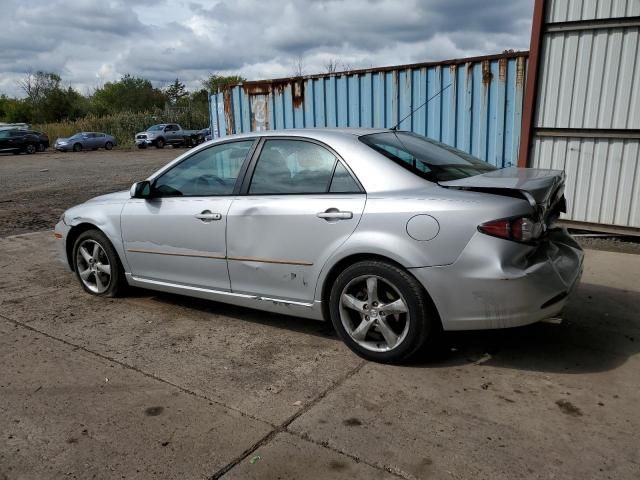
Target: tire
column 408, row 330
column 160, row 143
column 31, row 148
column 41, row 147
column 108, row 146
column 77, row 147
column 97, row 282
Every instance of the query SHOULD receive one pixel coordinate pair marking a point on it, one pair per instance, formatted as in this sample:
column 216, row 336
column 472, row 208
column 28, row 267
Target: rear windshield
column 431, row 160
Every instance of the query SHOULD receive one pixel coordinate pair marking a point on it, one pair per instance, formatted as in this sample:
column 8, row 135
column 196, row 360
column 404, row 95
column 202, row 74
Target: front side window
column 426, row 158
column 298, row 166
column 209, row 172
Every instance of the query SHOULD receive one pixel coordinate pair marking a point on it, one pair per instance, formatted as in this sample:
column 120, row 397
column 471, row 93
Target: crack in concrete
column 135, row 369
column 283, row 427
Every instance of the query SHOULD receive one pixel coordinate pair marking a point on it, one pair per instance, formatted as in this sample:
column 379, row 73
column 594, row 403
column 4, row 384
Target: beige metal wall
column 588, row 114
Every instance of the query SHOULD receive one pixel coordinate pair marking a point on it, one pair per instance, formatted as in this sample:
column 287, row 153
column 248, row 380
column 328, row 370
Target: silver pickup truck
column 168, row 134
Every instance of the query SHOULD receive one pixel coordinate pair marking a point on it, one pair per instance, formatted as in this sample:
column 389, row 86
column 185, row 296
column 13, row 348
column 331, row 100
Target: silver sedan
column 85, row 141
column 389, row 235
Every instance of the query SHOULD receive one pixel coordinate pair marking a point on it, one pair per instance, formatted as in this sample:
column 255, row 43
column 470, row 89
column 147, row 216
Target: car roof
column 312, row 132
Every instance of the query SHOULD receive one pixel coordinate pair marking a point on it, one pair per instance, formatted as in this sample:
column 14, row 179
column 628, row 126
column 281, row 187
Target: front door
column 178, row 236
column 301, row 204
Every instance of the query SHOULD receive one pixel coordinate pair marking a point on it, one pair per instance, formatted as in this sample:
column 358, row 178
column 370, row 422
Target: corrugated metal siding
column 480, row 112
column 573, row 10
column 603, row 177
column 591, row 79
column 589, row 82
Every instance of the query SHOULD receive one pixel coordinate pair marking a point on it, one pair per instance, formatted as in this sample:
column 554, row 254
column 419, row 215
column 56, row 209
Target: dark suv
column 16, row 141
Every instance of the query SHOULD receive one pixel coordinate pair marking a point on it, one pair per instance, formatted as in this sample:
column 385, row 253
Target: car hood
column 541, row 184
column 111, row 197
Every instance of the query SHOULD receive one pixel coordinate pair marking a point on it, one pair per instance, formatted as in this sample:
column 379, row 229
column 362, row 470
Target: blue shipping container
column 476, row 103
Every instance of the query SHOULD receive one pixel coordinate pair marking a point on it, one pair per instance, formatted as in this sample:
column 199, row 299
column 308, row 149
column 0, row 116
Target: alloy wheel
column 93, row 266
column 374, row 313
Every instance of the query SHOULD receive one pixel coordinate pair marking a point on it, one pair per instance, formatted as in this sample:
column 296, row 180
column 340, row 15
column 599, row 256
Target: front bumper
column 144, row 141
column 60, row 232
column 497, row 284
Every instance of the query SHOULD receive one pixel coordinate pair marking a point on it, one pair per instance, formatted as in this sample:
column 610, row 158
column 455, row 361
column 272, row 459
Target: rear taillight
column 522, row 229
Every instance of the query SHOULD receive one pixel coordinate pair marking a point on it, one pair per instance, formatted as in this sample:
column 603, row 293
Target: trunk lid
column 542, row 188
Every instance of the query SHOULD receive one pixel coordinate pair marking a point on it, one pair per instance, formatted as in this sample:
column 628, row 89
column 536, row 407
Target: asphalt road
column 160, row 386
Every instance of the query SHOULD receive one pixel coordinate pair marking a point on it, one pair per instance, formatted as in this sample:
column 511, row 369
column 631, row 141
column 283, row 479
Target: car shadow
column 243, row 314
column 599, row 331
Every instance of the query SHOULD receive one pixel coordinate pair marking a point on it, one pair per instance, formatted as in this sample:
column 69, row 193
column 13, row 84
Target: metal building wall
column 480, row 112
column 587, row 120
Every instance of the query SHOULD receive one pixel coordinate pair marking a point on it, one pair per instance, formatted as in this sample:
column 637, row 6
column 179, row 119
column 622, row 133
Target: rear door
column 178, row 237
column 301, row 203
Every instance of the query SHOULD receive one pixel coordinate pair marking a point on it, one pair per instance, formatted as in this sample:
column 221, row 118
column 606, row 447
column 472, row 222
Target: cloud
column 89, row 42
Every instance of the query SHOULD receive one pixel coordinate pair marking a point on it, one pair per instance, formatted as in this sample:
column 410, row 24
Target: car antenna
column 419, row 107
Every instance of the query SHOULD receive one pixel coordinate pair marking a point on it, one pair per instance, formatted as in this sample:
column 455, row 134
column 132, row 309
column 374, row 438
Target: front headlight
column 62, row 219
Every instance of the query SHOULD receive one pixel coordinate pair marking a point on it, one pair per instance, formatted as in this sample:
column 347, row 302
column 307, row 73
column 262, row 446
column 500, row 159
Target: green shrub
column 124, row 125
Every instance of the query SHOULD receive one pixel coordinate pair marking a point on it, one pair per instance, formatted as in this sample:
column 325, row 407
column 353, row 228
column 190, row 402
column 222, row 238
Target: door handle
column 334, row 214
column 207, row 216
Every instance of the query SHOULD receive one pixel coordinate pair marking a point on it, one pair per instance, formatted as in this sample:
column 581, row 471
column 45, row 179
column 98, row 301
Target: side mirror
column 141, row 189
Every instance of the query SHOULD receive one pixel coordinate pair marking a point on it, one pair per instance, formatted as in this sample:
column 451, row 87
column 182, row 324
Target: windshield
column 155, row 128
column 431, row 160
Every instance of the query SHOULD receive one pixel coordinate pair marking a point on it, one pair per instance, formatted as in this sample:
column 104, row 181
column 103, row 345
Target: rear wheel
column 77, row 147
column 97, row 265
column 108, row 146
column 160, row 143
column 31, row 148
column 381, row 312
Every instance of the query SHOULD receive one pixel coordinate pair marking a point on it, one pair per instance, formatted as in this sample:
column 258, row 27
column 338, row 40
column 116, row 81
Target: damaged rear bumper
column 498, row 284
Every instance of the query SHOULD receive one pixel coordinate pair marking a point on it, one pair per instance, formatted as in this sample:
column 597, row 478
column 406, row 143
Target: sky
column 91, row 42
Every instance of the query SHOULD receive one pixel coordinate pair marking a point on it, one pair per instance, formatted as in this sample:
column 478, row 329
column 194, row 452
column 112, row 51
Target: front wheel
column 381, row 312
column 77, row 147
column 97, row 266
column 160, row 143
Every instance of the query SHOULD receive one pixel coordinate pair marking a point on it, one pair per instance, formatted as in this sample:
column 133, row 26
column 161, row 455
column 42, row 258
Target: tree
column 176, row 92
column 332, row 65
column 130, row 93
column 216, row 83
column 298, row 66
column 47, row 100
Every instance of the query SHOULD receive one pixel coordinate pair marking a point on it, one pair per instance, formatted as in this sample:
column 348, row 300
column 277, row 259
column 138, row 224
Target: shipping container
column 473, row 104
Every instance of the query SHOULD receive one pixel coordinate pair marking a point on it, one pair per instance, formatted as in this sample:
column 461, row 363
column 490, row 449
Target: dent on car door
column 300, row 205
column 179, row 235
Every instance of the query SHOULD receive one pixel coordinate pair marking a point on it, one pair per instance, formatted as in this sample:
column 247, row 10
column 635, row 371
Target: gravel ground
column 36, row 189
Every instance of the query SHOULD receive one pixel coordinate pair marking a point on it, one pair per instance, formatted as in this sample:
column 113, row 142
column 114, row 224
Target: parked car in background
column 43, row 139
column 168, row 134
column 17, row 141
column 86, row 141
column 206, row 134
column 388, row 234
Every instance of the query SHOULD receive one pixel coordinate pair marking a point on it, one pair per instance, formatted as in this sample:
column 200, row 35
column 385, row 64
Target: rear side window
column 298, row 166
column 426, row 158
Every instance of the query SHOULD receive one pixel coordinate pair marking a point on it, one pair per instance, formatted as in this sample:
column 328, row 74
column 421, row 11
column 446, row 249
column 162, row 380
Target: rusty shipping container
column 476, row 105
